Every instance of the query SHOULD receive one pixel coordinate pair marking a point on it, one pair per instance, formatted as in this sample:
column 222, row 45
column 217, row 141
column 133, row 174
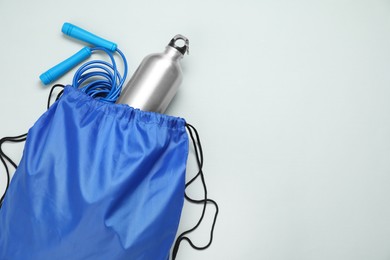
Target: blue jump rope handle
column 81, row 34
column 65, row 66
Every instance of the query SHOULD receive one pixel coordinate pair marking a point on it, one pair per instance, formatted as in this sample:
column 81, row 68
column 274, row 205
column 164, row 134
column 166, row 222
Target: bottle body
column 155, row 82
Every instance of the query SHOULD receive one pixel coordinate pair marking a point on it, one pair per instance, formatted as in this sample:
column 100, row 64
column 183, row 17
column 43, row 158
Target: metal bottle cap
column 182, row 49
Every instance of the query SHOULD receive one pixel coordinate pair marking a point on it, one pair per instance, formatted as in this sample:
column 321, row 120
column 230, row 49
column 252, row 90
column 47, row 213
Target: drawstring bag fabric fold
column 96, row 181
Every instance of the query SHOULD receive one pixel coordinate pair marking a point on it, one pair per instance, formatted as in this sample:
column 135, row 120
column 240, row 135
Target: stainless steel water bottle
column 155, row 82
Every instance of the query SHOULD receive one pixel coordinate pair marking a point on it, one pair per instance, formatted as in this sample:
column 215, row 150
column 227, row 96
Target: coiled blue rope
column 101, row 79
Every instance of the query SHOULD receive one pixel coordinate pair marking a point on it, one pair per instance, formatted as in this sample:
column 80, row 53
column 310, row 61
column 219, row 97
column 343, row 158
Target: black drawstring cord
column 58, row 95
column 4, row 158
column 199, row 159
column 17, row 139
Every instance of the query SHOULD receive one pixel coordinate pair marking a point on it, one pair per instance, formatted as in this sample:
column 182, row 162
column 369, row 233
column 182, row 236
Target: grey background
column 291, row 99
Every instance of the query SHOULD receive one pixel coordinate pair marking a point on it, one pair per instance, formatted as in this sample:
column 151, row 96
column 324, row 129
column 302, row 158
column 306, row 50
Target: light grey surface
column 291, row 99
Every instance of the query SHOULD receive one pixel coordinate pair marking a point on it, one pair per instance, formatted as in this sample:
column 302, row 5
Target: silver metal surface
column 155, row 82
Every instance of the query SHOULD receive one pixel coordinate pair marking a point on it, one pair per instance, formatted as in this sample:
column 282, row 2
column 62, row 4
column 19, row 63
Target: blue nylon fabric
column 96, row 181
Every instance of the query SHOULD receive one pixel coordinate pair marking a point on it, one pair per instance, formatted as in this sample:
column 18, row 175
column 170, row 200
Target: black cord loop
column 205, row 201
column 4, row 158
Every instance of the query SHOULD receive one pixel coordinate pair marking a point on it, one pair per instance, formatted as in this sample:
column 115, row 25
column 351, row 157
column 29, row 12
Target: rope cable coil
column 100, row 79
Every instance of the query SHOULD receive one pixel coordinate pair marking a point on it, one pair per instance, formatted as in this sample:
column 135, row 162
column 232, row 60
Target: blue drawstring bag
column 96, row 181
